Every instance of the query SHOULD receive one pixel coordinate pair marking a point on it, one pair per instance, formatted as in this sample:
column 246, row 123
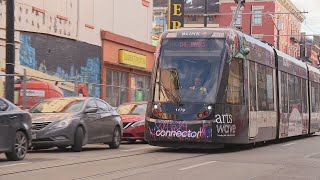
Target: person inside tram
column 197, row 87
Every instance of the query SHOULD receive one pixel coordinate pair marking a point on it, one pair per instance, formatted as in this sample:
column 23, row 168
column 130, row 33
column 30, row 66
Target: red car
column 133, row 117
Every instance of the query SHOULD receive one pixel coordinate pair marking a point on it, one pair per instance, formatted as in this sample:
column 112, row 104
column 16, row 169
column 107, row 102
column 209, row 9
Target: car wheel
column 20, row 147
column 78, row 140
column 116, row 139
column 132, row 140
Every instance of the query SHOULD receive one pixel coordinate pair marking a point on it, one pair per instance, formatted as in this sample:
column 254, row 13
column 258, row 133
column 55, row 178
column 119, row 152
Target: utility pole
column 279, row 26
column 278, row 39
column 251, row 10
column 10, row 50
column 205, row 13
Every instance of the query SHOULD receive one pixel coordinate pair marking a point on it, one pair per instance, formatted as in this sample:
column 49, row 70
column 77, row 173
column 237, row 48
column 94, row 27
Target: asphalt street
column 294, row 159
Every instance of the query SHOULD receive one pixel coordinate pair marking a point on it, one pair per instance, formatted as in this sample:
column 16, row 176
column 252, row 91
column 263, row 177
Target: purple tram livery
column 216, row 86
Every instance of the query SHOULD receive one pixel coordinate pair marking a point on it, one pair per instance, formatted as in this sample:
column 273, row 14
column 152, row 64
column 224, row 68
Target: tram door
column 253, row 129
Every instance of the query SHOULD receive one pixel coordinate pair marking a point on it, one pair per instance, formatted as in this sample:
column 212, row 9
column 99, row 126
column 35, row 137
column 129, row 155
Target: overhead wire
column 305, row 23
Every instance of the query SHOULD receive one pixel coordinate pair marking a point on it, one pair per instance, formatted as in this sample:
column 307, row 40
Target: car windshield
column 132, row 109
column 58, row 106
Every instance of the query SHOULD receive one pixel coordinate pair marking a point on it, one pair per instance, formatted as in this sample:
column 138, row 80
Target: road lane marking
column 127, row 150
column 308, row 156
column 197, row 165
column 17, row 164
column 289, row 144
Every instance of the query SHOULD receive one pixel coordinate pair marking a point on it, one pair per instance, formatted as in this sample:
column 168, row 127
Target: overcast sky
column 312, row 17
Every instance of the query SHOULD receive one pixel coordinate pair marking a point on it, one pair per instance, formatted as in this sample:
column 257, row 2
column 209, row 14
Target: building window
column 193, row 19
column 117, row 89
column 211, row 18
column 238, row 20
column 139, row 88
column 159, row 23
column 257, row 17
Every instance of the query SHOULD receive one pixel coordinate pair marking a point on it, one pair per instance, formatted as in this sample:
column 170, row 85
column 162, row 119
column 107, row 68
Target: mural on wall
column 63, row 58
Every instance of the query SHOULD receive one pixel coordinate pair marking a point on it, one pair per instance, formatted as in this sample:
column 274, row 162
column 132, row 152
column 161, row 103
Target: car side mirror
column 91, row 110
column 3, row 107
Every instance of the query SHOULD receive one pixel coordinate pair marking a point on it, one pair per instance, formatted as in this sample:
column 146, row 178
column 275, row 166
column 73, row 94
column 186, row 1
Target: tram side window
column 265, row 88
column 291, row 90
column 313, row 97
column 295, row 98
column 304, row 96
column 284, row 92
column 298, row 98
column 252, row 77
column 235, row 90
column 316, row 90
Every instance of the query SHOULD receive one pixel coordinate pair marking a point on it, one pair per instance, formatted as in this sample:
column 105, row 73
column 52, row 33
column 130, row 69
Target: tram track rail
column 138, row 167
column 91, row 160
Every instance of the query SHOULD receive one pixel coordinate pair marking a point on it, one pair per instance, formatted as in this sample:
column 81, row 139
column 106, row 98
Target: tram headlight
column 156, row 110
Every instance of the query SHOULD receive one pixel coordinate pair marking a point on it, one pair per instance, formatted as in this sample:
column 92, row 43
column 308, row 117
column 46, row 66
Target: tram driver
column 197, row 87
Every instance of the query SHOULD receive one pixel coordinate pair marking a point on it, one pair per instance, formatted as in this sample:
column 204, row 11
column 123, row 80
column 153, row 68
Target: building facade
column 276, row 22
column 61, row 40
column 127, row 66
column 310, row 50
column 194, row 14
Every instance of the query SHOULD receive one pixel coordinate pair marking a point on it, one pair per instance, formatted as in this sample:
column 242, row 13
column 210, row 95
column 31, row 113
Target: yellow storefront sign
column 133, row 59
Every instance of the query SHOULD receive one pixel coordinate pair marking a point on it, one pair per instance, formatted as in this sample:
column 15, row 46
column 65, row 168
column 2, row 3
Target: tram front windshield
column 188, row 70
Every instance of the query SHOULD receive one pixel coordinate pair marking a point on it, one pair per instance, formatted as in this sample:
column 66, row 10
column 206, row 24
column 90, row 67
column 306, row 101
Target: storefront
column 126, row 70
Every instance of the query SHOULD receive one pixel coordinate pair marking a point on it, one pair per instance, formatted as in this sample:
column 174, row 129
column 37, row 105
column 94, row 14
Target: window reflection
column 58, row 106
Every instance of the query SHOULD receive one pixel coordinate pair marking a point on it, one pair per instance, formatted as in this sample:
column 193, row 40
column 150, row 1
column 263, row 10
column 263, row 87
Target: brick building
column 260, row 19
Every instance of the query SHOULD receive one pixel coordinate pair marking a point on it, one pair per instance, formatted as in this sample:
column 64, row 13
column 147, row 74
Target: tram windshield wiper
column 166, row 92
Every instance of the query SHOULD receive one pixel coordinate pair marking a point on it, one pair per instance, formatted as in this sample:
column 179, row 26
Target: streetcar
column 211, row 87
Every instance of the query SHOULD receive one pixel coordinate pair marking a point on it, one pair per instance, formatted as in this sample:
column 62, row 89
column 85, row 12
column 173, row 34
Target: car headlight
column 138, row 123
column 62, row 124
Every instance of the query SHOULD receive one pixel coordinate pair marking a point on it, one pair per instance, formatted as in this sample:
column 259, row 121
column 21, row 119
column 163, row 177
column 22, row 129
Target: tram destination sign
column 188, row 43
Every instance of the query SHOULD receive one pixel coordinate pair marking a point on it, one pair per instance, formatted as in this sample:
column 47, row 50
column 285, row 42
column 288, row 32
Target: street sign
column 176, row 14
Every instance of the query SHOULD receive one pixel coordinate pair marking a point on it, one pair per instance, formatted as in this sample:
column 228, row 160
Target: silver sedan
column 75, row 122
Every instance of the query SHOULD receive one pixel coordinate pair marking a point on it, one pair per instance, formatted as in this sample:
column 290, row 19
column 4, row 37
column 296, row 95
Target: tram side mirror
column 246, row 51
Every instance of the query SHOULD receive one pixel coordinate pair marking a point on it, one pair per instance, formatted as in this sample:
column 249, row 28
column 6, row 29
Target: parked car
column 15, row 130
column 75, row 122
column 133, row 118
